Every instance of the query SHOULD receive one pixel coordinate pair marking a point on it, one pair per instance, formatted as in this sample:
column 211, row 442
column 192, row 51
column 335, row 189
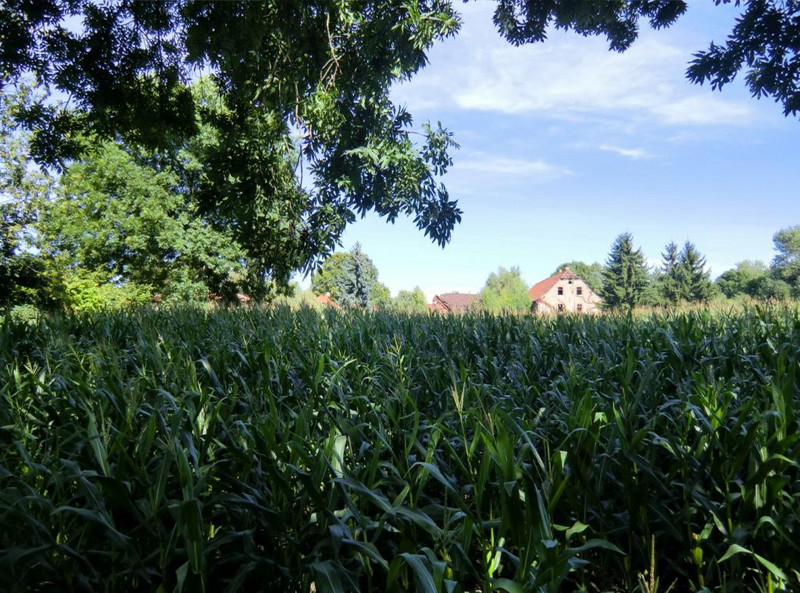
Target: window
column 580, row 306
column 580, row 290
column 560, row 290
column 560, row 306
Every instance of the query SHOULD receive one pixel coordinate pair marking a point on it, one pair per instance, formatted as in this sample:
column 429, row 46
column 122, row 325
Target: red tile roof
column 454, row 302
column 540, row 289
column 326, row 299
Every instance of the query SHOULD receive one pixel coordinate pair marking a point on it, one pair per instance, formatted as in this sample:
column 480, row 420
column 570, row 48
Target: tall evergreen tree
column 625, row 276
column 671, row 278
column 358, row 280
column 696, row 279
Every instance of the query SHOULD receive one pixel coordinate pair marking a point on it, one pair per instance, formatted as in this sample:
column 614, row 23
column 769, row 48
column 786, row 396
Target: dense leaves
column 505, row 291
column 765, row 41
column 302, row 137
column 270, row 449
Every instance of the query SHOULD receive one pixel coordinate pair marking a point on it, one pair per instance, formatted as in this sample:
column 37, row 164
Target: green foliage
column 743, row 279
column 130, row 224
column 371, row 452
column 327, row 279
column 358, row 281
column 786, row 264
column 684, row 276
column 23, row 187
column 351, row 279
column 410, row 301
column 764, row 40
column 24, row 314
column 320, row 68
column 625, row 276
column 80, row 290
column 505, row 291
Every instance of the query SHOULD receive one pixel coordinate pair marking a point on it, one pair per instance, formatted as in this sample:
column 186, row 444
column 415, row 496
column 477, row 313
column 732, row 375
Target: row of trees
column 351, row 279
column 683, row 277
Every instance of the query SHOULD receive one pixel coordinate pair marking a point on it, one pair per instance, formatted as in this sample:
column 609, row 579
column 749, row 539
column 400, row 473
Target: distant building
column 564, row 292
column 452, row 302
column 325, row 299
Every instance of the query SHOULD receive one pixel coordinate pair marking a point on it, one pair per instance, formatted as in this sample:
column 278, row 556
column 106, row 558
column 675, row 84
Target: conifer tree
column 696, row 281
column 670, row 280
column 359, row 277
column 625, row 276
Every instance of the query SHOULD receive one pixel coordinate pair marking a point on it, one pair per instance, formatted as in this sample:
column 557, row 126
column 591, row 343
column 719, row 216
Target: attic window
column 560, row 290
column 580, row 290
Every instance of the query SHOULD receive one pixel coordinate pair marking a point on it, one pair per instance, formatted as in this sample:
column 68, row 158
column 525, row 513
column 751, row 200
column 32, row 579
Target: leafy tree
column 625, row 275
column 381, row 296
column 410, row 301
column 505, row 291
column 592, row 274
column 131, row 226
column 744, row 279
column 23, row 187
column 300, row 135
column 786, row 264
column 768, row 288
column 328, row 278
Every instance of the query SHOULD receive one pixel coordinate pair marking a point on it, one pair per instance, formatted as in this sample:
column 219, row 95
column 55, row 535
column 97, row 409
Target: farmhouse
column 452, row 302
column 326, row 300
column 563, row 292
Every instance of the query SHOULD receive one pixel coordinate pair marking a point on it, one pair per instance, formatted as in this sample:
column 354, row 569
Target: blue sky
column 565, row 145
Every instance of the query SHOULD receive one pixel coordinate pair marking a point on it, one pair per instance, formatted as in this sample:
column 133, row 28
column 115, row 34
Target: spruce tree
column 671, row 281
column 625, row 276
column 358, row 279
column 696, row 279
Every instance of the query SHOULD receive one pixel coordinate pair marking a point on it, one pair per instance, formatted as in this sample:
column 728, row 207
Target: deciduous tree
column 505, row 292
column 410, row 301
column 128, row 224
column 786, row 264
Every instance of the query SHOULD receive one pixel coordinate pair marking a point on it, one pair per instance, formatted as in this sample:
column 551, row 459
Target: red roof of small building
column 541, row 288
column 454, row 302
column 326, row 299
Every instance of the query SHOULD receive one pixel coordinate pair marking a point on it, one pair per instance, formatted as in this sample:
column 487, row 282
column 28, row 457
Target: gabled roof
column 455, row 302
column 325, row 299
column 541, row 288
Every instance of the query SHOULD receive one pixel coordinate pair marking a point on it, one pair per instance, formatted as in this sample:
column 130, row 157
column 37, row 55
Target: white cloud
column 631, row 153
column 537, row 170
column 566, row 76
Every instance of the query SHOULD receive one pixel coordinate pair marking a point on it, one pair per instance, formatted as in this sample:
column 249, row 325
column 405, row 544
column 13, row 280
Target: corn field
column 272, row 450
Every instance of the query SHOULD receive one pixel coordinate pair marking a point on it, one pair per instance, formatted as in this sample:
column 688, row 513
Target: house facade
column 564, row 292
column 452, row 302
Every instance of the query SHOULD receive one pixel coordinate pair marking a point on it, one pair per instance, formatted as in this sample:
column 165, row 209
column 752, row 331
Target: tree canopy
column 351, row 279
column 505, row 291
column 786, row 263
column 303, row 136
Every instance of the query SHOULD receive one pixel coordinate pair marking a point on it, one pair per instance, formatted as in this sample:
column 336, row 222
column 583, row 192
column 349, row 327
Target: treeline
column 626, row 280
